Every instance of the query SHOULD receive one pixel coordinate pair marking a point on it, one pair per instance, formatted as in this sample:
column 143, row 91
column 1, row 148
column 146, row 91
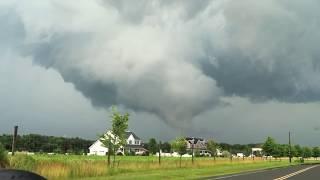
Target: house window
column 130, row 141
column 137, row 142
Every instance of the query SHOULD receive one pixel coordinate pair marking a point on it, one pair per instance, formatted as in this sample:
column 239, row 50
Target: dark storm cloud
column 137, row 11
column 175, row 59
column 269, row 51
column 12, row 30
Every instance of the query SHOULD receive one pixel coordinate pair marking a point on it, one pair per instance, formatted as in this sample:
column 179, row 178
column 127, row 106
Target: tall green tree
column 212, row 147
column 298, row 151
column 166, row 147
column 180, row 146
column 315, row 152
column 152, row 145
column 269, row 146
column 307, row 153
column 115, row 138
column 293, row 151
column 277, row 151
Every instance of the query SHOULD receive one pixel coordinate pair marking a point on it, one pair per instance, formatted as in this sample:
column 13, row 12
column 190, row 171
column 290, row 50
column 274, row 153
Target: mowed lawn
column 141, row 167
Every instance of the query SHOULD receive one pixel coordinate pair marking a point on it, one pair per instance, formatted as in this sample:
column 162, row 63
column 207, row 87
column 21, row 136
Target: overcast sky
column 237, row 71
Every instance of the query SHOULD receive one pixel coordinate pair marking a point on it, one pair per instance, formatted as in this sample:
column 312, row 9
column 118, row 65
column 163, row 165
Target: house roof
column 97, row 141
column 195, row 139
column 128, row 133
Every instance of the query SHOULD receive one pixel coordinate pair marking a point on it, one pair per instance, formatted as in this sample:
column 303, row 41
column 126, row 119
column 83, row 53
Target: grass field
column 136, row 167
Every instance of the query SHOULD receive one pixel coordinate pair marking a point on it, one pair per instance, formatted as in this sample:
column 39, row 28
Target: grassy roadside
column 139, row 167
column 197, row 172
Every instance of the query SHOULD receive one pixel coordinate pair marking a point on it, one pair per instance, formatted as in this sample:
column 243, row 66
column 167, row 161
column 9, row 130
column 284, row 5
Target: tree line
column 46, row 144
column 272, row 148
column 153, row 146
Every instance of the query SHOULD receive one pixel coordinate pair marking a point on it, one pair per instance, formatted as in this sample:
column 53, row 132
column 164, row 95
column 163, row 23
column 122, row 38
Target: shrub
column 21, row 161
column 132, row 153
column 226, row 154
column 146, row 153
column 197, row 153
column 3, row 157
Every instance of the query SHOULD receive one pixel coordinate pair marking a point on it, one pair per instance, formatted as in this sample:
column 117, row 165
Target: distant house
column 219, row 153
column 256, row 151
column 240, row 155
column 198, row 143
column 133, row 144
column 98, row 149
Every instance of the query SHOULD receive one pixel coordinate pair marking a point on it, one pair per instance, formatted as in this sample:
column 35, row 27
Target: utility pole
column 14, row 139
column 159, row 152
column 290, row 155
column 192, row 147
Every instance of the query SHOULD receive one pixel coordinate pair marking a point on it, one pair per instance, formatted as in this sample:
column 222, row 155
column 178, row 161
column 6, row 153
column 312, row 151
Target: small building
column 98, row 149
column 240, row 155
column 219, row 153
column 133, row 144
column 256, row 151
column 197, row 143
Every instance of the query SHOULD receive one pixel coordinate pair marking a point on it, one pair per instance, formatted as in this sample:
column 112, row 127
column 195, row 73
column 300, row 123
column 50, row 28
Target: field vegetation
column 3, row 157
column 135, row 167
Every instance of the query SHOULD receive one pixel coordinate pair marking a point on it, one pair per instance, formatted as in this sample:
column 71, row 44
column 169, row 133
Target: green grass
column 140, row 167
column 197, row 172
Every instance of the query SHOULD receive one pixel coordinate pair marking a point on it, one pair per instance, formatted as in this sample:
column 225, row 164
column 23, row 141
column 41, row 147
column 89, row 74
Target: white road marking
column 242, row 174
column 295, row 173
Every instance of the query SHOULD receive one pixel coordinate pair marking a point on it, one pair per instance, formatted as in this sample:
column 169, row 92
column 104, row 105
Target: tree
column 46, row 144
column 226, row 154
column 152, row 145
column 285, row 148
column 166, row 147
column 212, row 146
column 3, row 157
column 315, row 152
column 269, row 146
column 293, row 151
column 277, row 151
column 298, row 151
column 115, row 138
column 307, row 153
column 180, row 146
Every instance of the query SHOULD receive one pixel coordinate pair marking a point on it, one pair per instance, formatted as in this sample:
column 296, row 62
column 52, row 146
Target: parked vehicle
column 205, row 153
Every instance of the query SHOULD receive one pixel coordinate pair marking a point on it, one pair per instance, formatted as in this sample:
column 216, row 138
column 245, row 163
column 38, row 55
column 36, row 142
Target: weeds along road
column 301, row 172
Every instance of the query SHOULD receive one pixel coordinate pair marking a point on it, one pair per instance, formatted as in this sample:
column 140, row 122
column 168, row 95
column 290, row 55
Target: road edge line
column 295, row 173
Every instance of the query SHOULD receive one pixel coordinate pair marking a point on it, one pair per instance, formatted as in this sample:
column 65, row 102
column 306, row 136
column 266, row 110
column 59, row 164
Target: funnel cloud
column 179, row 62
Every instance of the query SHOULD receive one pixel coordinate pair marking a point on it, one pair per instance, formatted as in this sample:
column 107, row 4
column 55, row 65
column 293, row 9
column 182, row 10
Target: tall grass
column 22, row 161
column 66, row 167
column 3, row 157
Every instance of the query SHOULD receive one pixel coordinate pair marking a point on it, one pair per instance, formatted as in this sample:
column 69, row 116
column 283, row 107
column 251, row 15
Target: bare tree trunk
column 180, row 160
column 109, row 154
column 159, row 152
column 114, row 156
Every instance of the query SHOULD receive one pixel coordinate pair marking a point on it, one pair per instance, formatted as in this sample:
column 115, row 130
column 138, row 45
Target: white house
column 256, row 151
column 219, row 153
column 197, row 143
column 240, row 155
column 134, row 144
column 98, row 149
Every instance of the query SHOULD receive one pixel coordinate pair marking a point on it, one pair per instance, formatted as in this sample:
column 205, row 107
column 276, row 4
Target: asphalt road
column 302, row 172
